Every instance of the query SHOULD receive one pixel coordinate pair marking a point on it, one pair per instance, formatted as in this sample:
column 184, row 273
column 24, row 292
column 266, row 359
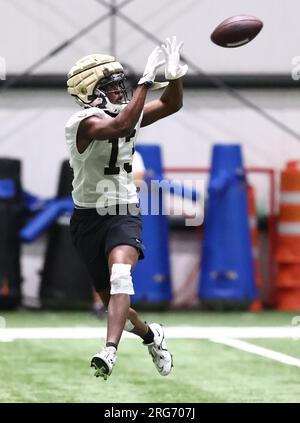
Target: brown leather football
column 236, row 31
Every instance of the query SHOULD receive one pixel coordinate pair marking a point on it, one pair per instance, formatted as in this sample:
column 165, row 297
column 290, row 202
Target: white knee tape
column 121, row 280
column 128, row 326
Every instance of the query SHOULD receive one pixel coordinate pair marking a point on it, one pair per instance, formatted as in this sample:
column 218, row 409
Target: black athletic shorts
column 94, row 236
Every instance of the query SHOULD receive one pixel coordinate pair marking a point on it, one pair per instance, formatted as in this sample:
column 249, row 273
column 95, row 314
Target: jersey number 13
column 112, row 169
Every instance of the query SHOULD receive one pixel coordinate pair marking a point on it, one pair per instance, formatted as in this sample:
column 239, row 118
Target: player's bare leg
column 120, row 261
column 140, row 328
column 119, row 303
column 152, row 335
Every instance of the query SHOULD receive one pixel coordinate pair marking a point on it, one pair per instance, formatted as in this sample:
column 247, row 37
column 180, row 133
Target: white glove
column 153, row 63
column 171, row 51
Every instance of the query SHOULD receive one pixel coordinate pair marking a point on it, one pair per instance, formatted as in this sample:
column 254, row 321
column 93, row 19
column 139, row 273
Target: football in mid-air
column 236, row 31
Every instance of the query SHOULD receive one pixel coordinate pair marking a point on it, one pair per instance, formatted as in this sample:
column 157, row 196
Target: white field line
column 254, row 349
column 181, row 332
column 223, row 335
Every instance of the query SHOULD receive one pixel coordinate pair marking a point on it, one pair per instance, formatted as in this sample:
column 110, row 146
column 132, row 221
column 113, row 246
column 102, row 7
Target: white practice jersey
column 103, row 172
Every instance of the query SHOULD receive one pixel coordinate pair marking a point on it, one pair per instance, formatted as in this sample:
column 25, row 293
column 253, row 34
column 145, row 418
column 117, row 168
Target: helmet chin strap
column 103, row 102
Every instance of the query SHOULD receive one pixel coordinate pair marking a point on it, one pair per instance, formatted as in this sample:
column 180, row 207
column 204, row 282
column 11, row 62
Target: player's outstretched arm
column 95, row 128
column 171, row 100
column 123, row 124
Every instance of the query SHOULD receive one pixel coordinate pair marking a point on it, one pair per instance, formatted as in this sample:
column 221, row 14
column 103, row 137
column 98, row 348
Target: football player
column 106, row 223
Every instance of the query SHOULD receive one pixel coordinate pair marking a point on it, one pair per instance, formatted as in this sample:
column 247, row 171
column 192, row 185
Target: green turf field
column 58, row 370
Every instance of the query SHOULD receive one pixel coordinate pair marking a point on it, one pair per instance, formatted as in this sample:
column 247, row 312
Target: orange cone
column 288, row 245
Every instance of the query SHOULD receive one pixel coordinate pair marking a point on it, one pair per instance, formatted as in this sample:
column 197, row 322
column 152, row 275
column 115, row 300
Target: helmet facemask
column 111, row 93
